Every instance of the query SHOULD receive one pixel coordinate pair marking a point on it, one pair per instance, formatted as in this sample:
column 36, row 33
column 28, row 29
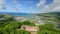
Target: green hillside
column 9, row 26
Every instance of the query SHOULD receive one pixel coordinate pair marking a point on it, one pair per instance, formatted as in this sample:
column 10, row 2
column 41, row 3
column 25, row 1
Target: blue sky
column 29, row 6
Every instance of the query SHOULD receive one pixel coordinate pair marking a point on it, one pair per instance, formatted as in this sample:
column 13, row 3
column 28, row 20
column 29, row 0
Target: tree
column 22, row 32
column 28, row 23
column 48, row 29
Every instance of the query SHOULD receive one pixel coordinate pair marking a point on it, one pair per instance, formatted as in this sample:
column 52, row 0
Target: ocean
column 16, row 14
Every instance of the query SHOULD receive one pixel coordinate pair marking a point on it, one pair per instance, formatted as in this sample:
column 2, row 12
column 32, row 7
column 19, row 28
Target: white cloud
column 41, row 7
column 41, row 2
column 4, row 7
column 47, row 7
column 30, row 8
column 56, row 2
column 53, row 7
column 1, row 1
column 2, row 4
column 56, row 5
column 14, row 1
column 56, row 9
column 15, row 8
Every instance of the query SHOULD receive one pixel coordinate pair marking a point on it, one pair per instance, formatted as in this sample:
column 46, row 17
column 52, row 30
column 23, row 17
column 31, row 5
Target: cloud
column 56, row 2
column 30, row 8
column 57, row 8
column 53, row 7
column 15, row 8
column 2, row 4
column 30, row 2
column 41, row 2
column 14, row 1
column 41, row 7
column 56, row 5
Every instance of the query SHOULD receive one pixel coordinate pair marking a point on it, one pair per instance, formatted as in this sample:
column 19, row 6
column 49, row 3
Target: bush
column 28, row 23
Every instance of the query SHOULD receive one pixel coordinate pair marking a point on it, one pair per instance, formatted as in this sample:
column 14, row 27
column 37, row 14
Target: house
column 31, row 29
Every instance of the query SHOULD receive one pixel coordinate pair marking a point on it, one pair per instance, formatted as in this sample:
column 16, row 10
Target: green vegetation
column 28, row 23
column 9, row 26
column 22, row 32
column 48, row 29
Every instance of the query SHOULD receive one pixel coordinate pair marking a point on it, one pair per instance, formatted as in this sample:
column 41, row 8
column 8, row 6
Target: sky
column 30, row 6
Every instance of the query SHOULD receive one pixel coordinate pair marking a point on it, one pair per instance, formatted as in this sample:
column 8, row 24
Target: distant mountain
column 56, row 13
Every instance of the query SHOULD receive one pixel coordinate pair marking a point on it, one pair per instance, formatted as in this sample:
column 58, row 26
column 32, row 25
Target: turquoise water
column 16, row 14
